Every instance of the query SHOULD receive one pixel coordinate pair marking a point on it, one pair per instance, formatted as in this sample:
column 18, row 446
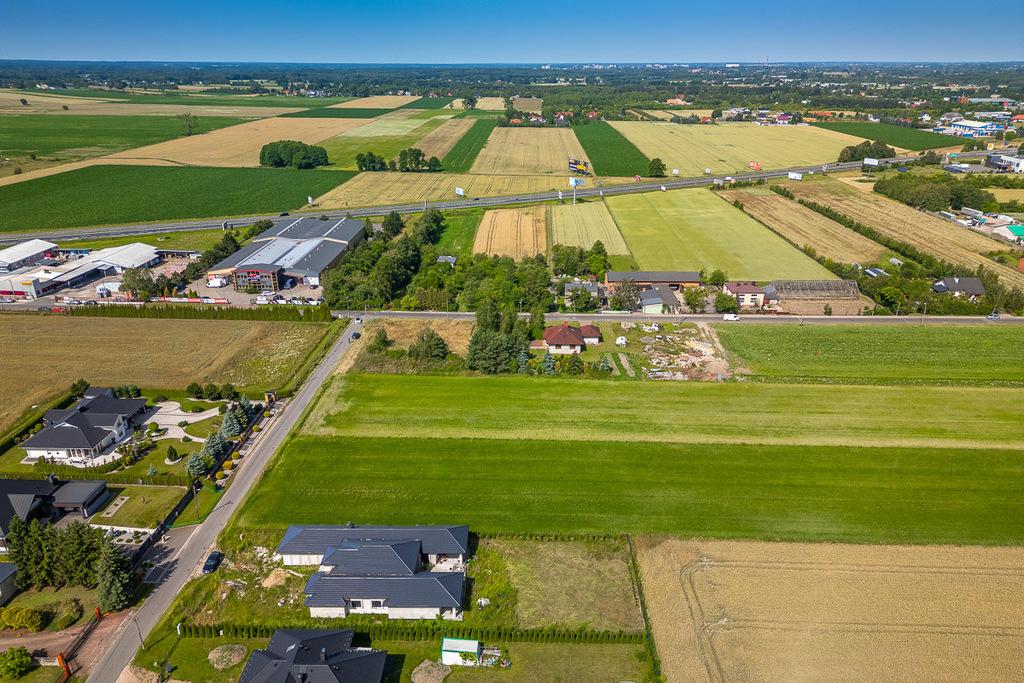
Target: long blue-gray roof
column 426, row 589
column 315, row 540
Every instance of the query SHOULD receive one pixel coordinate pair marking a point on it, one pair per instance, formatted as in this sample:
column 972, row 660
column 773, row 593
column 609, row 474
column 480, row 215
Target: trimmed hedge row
column 116, row 478
column 276, row 312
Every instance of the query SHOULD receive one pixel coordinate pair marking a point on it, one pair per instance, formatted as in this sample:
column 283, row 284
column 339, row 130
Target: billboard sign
column 577, row 182
column 868, row 161
column 460, row 192
column 793, row 175
column 579, row 166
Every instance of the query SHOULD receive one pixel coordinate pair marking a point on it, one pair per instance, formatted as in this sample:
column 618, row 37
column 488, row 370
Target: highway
column 595, row 191
column 195, row 549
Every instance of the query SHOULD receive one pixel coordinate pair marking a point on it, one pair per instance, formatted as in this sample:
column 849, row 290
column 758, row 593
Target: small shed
column 461, row 652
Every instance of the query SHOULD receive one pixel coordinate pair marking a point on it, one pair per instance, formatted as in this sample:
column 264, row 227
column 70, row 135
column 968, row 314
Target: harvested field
column 729, row 147
column 804, row 227
column 942, row 239
column 378, row 102
column 64, row 349
column 240, row 145
column 491, row 103
column 723, row 611
column 87, row 107
column 429, row 103
column 1007, row 195
column 440, row 141
column 529, row 151
column 585, row 223
column 455, row 104
column 668, row 114
column 518, row 233
column 528, row 104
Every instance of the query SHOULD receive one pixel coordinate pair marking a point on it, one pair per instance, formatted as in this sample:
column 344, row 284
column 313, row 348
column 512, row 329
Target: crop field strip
column 110, row 103
column 102, row 194
column 464, row 153
column 428, row 103
column 610, row 152
column 695, row 229
column 858, row 612
column 528, row 104
column 669, row 114
column 338, row 113
column 729, row 147
column 528, row 151
column 940, row 238
column 804, row 227
column 896, row 136
column 440, row 141
column 184, row 99
column 378, row 102
column 386, row 137
column 1007, row 195
column 519, row 233
column 585, row 223
column 491, row 103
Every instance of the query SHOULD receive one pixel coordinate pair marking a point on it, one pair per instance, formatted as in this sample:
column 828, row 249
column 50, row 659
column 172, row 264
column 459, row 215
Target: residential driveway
column 169, row 414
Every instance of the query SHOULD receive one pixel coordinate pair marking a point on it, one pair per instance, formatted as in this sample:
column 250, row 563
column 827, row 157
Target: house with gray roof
column 969, row 287
column 307, row 545
column 92, row 427
column 46, row 499
column 314, row 656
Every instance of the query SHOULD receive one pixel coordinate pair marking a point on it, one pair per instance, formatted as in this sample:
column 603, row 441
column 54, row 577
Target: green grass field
column 461, row 157
column 338, row 113
column 79, row 137
column 146, row 506
column 897, row 136
column 120, row 194
column 696, row 229
column 195, row 98
column 197, row 240
column 460, row 230
column 876, row 353
column 387, row 138
column 610, row 152
column 429, row 103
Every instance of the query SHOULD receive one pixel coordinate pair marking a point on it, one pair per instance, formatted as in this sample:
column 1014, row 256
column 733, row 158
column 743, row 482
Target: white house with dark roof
column 748, row 295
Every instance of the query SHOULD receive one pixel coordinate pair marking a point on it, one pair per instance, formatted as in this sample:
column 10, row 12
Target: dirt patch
column 731, row 610
column 530, row 104
column 226, row 656
column 430, row 671
column 683, row 354
column 276, row 577
column 519, row 233
column 403, row 332
column 491, row 103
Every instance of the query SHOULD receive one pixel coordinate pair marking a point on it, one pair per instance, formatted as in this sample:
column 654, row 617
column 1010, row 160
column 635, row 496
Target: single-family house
column 92, row 427
column 307, row 545
column 748, row 295
column 591, row 334
column 314, row 656
column 424, row 595
column 658, row 299
column 44, row 499
column 970, row 287
column 8, row 573
column 596, row 291
column 563, row 339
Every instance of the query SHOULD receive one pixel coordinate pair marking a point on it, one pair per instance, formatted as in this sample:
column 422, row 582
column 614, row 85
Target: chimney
column 323, row 654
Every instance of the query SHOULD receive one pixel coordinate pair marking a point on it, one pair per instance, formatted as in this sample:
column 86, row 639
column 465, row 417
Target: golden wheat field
column 529, row 104
column 377, row 102
column 1007, row 195
column 440, row 141
column 529, row 151
column 240, row 145
column 585, row 223
column 804, row 227
column 369, row 189
column 54, row 105
column 491, row 103
column 940, row 238
column 751, row 611
column 518, row 233
column 667, row 114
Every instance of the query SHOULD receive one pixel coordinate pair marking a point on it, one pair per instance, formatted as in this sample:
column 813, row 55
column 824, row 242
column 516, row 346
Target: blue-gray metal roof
column 344, row 230
column 315, row 540
column 653, row 276
column 426, row 589
column 7, row 570
column 374, row 558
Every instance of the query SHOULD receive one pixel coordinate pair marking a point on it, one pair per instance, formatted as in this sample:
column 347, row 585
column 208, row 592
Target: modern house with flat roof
column 29, row 499
column 301, row 249
column 314, row 656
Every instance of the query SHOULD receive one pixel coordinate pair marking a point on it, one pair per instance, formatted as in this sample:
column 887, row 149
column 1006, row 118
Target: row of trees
column 935, row 192
column 411, row 160
column 292, row 153
column 212, row 392
column 866, row 150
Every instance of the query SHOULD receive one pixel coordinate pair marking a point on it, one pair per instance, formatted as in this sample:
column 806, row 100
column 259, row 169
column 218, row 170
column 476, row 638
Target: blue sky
column 459, row 31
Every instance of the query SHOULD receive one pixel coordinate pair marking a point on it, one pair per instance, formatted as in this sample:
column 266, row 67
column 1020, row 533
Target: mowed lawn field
column 880, row 353
column 610, row 152
column 695, row 229
column 896, row 136
column 585, row 223
column 512, row 454
column 48, row 353
column 730, row 147
column 104, row 194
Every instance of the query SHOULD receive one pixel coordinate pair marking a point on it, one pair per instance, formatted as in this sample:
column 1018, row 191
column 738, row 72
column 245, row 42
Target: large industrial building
column 26, row 254
column 300, row 250
column 49, row 275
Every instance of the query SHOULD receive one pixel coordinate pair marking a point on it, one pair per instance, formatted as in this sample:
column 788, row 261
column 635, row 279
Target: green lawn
column 157, row 457
column 610, row 152
column 559, row 662
column 196, row 240
column 114, row 194
column 339, row 113
column 204, row 428
column 146, row 506
column 876, row 353
column 50, row 600
column 77, row 137
column 461, row 157
column 897, row 136
column 696, row 229
column 188, row 657
column 460, row 231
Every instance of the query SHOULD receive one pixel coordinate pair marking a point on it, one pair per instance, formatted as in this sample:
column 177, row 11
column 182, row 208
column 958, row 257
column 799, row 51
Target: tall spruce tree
column 114, row 577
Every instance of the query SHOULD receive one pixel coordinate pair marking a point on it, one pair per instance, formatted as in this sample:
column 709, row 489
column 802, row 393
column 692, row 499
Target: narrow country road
column 194, row 551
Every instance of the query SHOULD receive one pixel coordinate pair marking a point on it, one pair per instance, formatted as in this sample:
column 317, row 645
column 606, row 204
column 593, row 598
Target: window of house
column 357, row 603
column 376, row 603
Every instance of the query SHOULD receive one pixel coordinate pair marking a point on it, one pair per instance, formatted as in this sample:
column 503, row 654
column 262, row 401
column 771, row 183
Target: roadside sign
column 460, row 192
column 559, row 194
column 309, row 198
column 576, row 182
column 663, row 188
column 675, row 171
column 868, row 161
column 793, row 175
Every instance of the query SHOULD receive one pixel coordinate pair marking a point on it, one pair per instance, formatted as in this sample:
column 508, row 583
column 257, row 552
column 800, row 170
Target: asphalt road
column 644, row 186
column 196, row 548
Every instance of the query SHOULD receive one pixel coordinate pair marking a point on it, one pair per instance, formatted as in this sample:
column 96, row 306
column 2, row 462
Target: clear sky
column 462, row 31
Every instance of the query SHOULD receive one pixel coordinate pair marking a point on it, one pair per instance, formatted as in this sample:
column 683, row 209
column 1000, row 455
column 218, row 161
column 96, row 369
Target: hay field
column 240, row 145
column 110, row 351
column 935, row 236
column 528, row 104
column 723, row 611
column 585, row 223
column 1006, row 195
column 667, row 114
column 377, row 102
column 804, row 227
column 529, row 151
column 440, row 141
column 729, row 147
column 694, row 229
column 491, row 103
column 518, row 233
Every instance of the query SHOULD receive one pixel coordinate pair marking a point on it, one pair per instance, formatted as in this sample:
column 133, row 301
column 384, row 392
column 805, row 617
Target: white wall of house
column 391, row 612
column 302, row 560
column 563, row 349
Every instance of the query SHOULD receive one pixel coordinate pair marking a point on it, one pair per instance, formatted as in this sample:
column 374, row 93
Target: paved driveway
column 169, row 414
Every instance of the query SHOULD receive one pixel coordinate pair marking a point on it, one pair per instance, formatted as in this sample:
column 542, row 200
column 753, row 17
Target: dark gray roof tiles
column 654, row 276
column 373, row 558
column 75, row 493
column 315, row 540
column 426, row 589
column 313, row 656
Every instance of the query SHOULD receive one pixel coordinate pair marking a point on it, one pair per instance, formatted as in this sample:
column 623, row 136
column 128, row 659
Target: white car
column 731, row 317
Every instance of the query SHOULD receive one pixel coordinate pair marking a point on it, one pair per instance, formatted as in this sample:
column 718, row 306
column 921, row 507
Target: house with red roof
column 748, row 295
column 564, row 339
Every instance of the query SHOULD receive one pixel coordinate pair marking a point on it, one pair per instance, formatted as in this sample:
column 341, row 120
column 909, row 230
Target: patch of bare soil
column 276, row 577
column 430, row 671
column 226, row 656
column 683, row 355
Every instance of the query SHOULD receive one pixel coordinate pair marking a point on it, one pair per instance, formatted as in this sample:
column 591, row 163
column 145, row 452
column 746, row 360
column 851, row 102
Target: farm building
column 45, row 499
column 300, row 250
column 748, row 295
column 649, row 278
column 25, row 254
column 658, row 299
column 970, row 287
column 49, row 276
column 307, row 545
column 974, row 129
column 563, row 339
column 89, row 429
column 314, row 655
